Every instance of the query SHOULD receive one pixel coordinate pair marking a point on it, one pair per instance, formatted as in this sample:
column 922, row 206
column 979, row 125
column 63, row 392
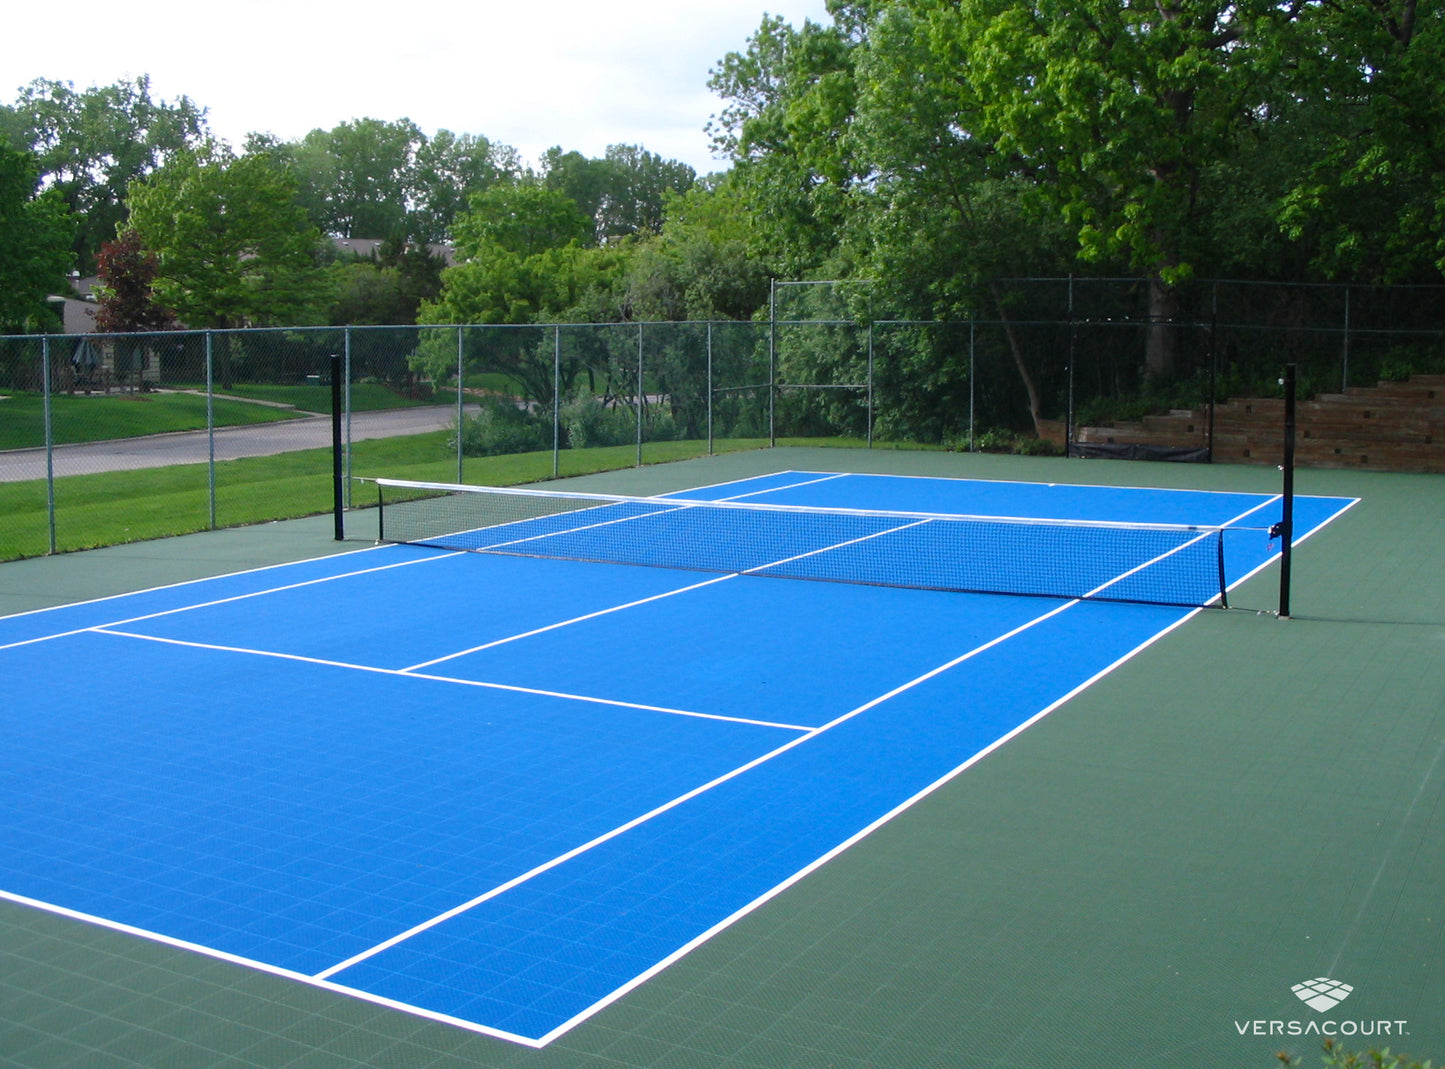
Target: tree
column 36, row 230
column 128, row 273
column 93, row 143
column 1369, row 192
column 639, row 183
column 582, row 180
column 234, row 247
column 373, row 179
column 523, row 218
column 449, row 168
column 1114, row 109
column 356, row 179
column 387, row 289
column 787, row 127
column 625, row 192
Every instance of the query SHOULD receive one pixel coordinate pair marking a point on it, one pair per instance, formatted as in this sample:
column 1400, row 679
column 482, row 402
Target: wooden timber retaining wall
column 1395, row 426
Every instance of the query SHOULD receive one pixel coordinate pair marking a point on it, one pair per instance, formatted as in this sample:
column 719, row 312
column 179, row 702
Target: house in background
column 78, row 307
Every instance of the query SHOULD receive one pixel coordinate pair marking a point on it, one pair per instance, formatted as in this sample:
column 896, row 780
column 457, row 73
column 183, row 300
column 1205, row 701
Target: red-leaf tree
column 127, row 272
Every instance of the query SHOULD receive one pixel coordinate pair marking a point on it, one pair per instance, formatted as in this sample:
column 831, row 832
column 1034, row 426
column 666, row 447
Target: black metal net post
column 1286, row 525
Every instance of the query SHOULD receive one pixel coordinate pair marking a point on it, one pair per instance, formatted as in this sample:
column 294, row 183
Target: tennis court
column 502, row 791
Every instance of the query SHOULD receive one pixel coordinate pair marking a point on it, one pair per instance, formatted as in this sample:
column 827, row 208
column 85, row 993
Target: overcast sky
column 582, row 74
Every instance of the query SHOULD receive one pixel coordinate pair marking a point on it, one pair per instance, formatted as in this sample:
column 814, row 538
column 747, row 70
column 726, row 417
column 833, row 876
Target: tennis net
column 1163, row 564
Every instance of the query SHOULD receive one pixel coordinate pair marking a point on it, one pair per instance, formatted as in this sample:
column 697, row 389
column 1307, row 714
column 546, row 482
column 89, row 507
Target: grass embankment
column 131, row 506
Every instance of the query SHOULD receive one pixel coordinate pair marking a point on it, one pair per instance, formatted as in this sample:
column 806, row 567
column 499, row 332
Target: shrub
column 501, row 427
column 589, row 423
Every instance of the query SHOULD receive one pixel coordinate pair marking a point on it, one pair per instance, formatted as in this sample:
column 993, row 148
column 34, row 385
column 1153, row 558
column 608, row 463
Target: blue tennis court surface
column 503, row 791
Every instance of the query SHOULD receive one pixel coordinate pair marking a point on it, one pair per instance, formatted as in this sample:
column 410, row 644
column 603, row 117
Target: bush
column 502, row 427
column 996, row 441
column 589, row 423
column 1336, row 1057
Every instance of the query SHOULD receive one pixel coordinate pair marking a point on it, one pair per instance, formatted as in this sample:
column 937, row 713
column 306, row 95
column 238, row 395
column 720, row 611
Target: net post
column 1286, row 526
column 337, row 489
column 1219, row 559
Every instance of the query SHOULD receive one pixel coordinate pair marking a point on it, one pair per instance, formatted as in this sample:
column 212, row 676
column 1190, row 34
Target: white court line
column 1262, row 565
column 819, row 477
column 227, row 600
column 266, row 967
column 568, row 623
column 113, row 631
column 683, row 504
column 1080, row 486
column 192, row 582
column 621, row 829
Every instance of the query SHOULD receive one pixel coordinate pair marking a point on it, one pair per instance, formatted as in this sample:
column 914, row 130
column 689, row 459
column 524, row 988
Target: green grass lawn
column 78, row 418
column 131, row 506
column 97, row 418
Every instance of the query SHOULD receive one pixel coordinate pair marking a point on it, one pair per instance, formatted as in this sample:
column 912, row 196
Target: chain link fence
column 106, row 439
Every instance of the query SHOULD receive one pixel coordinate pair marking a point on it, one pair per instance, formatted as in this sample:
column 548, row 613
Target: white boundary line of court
column 295, row 564
column 226, row 600
column 665, row 594
column 332, row 556
column 265, row 967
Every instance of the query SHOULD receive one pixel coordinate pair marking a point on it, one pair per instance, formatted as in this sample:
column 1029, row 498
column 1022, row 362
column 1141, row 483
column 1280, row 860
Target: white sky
column 574, row 73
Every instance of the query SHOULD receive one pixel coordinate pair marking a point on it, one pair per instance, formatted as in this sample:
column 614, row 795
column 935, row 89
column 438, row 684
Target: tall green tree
column 92, row 143
column 448, row 169
column 522, row 218
column 234, row 247
column 386, row 289
column 356, row 179
column 36, row 230
column 624, row 193
column 1369, row 193
column 639, row 183
column 368, row 178
column 1114, row 109
column 787, row 127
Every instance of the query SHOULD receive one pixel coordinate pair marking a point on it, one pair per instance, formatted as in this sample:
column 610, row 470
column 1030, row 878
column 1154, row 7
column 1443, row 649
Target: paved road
column 190, row 447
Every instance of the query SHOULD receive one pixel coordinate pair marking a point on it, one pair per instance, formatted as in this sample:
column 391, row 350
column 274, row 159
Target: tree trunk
column 1017, row 352
column 1162, row 339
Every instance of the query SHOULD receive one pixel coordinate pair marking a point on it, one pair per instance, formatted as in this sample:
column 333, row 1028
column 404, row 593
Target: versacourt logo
column 1322, row 993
